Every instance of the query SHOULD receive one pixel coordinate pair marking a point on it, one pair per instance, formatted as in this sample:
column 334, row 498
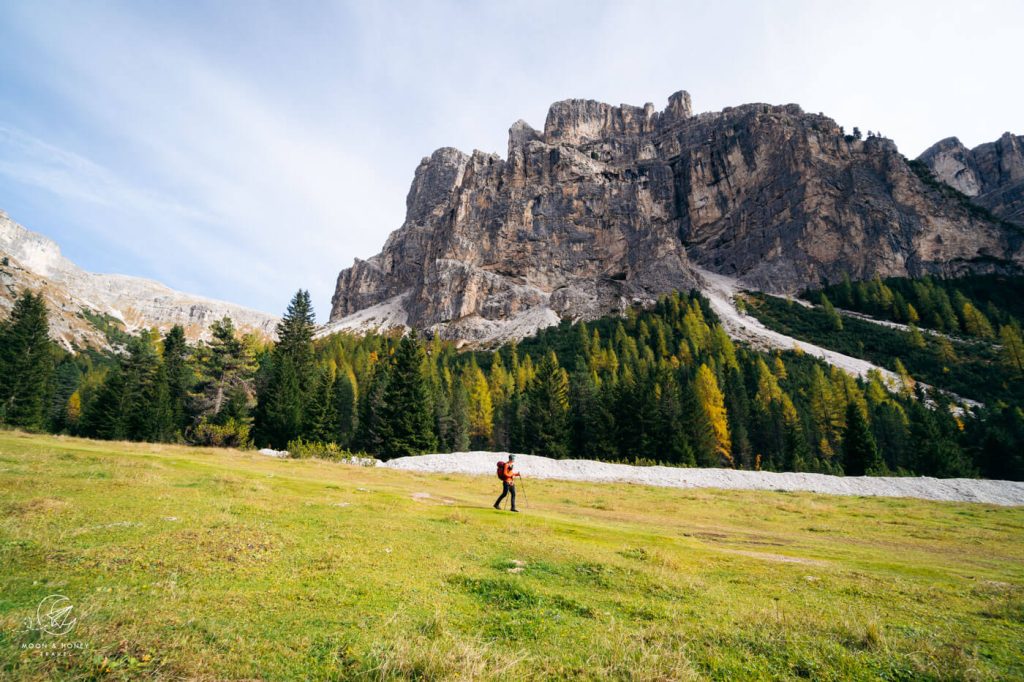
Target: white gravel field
column 1008, row 493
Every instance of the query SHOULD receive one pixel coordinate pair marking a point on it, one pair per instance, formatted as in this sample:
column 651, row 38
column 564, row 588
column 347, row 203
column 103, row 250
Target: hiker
column 508, row 482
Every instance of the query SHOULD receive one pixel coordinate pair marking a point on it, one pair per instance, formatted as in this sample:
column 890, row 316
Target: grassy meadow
column 220, row 564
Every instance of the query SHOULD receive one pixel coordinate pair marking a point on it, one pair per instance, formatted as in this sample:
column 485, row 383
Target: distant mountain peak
column 78, row 300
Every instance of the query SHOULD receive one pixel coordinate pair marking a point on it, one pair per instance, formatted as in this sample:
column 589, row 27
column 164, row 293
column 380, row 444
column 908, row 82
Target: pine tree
column 407, row 403
column 227, row 370
column 860, row 454
column 546, row 427
column 26, row 363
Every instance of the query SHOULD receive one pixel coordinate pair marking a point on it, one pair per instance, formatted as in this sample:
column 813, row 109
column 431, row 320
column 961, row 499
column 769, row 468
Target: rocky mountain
column 86, row 307
column 991, row 174
column 611, row 205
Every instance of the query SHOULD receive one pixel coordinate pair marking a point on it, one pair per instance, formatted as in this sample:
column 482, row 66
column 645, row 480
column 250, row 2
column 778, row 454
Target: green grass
column 219, row 564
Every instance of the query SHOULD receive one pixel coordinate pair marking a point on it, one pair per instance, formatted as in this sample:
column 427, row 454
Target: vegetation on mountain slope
column 665, row 384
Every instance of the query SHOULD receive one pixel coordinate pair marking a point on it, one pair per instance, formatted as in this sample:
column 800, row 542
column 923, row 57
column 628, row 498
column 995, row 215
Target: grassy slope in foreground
column 184, row 562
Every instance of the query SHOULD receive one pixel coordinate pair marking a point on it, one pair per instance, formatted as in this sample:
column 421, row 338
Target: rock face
column 611, row 205
column 991, row 174
column 81, row 303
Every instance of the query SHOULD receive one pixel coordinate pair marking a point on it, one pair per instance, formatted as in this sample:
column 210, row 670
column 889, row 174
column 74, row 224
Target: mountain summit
column 991, row 174
column 85, row 306
column 613, row 205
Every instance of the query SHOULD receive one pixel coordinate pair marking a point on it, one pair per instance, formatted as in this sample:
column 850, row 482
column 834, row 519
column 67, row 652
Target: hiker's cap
column 511, row 458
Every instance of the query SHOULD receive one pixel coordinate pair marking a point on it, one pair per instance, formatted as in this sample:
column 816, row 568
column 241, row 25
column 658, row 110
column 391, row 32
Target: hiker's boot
column 513, row 509
column 496, row 506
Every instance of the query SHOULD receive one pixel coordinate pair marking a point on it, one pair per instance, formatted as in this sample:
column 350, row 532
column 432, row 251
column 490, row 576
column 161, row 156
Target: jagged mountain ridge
column 81, row 303
column 609, row 206
column 991, row 174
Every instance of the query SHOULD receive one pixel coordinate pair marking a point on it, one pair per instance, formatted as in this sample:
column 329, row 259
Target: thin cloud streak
column 244, row 150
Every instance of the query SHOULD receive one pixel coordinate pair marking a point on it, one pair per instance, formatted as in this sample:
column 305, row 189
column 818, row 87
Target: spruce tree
column 860, row 454
column 372, row 430
column 181, row 376
column 133, row 403
column 26, row 363
column 104, row 415
column 66, row 378
column 459, row 418
column 547, row 411
column 408, row 411
column 321, row 419
column 282, row 405
column 699, row 432
column 343, row 397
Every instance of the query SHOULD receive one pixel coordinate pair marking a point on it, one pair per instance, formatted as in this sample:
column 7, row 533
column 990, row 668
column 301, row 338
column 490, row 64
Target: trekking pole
column 522, row 489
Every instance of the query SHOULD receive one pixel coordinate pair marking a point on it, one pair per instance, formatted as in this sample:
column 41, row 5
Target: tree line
column 982, row 306
column 664, row 385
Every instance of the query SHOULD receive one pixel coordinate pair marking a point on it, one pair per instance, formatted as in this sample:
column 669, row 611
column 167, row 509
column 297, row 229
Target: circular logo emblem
column 54, row 615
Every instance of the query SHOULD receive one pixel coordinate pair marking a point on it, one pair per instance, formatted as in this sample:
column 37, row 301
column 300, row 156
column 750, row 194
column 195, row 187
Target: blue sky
column 242, row 150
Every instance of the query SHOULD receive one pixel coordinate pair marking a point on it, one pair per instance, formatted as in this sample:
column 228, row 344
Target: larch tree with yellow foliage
column 712, row 404
column 481, row 409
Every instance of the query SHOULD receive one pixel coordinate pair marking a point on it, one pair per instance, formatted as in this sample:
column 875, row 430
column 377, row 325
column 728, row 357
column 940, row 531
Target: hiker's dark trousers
column 506, row 489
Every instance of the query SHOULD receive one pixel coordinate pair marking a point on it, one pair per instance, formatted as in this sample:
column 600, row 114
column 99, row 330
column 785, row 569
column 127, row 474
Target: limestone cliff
column 991, row 174
column 610, row 205
column 82, row 303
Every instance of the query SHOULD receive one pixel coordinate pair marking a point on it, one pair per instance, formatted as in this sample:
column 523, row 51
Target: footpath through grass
column 212, row 564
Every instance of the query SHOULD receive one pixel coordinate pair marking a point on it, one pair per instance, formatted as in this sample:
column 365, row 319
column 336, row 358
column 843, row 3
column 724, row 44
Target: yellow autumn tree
column 481, row 409
column 1013, row 348
column 712, row 402
column 73, row 411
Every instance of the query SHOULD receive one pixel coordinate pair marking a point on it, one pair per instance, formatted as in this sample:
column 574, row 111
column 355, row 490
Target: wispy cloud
column 245, row 149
